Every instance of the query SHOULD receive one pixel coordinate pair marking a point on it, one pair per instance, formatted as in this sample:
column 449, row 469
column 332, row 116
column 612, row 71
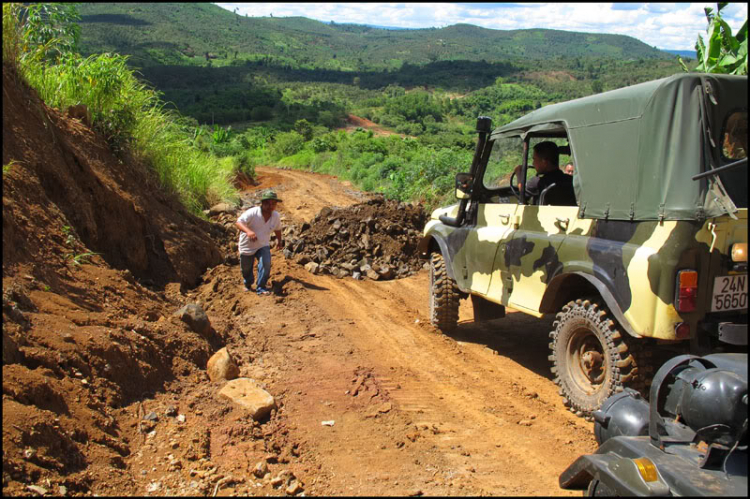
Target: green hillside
column 270, row 91
column 199, row 33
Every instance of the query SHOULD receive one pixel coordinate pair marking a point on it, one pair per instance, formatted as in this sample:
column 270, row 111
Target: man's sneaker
column 263, row 292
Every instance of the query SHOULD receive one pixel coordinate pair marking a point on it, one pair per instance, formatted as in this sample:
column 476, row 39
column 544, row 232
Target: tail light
column 682, row 330
column 687, row 290
column 739, row 252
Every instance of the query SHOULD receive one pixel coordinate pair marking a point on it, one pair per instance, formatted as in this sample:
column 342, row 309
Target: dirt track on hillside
column 471, row 413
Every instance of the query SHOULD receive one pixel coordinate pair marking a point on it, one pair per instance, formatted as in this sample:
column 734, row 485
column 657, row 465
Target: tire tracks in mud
column 466, row 391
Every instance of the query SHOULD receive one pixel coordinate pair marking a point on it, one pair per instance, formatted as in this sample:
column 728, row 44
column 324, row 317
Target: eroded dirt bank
column 105, row 391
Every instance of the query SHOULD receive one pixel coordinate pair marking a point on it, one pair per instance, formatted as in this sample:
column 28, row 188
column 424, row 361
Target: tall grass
column 11, row 33
column 125, row 111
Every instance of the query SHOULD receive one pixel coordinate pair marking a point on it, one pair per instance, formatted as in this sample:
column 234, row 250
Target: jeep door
column 488, row 238
column 493, row 222
column 532, row 255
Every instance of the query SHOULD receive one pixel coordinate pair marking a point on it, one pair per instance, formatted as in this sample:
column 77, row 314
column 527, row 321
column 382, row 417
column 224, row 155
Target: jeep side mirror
column 463, row 185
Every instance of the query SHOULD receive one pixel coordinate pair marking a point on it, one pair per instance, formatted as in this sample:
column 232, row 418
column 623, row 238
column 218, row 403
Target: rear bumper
column 732, row 333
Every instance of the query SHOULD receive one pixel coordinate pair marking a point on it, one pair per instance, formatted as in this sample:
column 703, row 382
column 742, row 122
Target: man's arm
column 244, row 228
column 279, row 240
column 517, row 173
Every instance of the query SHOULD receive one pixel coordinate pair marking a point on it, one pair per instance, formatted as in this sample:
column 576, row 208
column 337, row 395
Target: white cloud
column 664, row 25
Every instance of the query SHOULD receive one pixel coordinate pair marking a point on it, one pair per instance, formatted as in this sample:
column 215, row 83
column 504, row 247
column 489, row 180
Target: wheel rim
column 586, row 361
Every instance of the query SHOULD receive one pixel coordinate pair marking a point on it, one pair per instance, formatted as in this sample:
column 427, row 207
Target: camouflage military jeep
column 653, row 253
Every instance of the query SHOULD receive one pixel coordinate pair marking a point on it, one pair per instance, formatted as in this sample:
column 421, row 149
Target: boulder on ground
column 220, row 208
column 194, row 316
column 246, row 393
column 221, row 366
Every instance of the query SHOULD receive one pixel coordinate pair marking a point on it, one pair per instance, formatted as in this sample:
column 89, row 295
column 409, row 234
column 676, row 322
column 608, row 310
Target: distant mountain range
column 392, row 28
column 201, row 34
column 692, row 54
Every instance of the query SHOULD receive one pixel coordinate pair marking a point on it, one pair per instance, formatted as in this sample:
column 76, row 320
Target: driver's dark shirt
column 536, row 184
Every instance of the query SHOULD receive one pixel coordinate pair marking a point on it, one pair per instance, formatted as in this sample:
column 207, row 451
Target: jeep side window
column 734, row 148
column 734, row 141
column 553, row 187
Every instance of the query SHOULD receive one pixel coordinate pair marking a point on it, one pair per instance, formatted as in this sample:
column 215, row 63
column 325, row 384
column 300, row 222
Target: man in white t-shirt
column 256, row 225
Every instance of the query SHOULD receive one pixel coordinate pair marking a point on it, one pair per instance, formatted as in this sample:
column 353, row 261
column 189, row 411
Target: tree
column 722, row 52
column 304, row 128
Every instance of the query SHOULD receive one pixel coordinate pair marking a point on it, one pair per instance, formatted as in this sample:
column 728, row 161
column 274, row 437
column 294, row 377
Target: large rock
column 246, row 393
column 194, row 316
column 221, row 366
column 221, row 208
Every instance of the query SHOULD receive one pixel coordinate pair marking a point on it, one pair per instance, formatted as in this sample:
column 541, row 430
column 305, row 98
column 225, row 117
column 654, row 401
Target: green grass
column 127, row 112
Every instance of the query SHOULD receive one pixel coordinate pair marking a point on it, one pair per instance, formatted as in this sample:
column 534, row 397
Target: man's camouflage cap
column 270, row 194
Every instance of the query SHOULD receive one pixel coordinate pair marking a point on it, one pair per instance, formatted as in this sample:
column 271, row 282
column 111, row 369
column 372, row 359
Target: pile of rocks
column 374, row 240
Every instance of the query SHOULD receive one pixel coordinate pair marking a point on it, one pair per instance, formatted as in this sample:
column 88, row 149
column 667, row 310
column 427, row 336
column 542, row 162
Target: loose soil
column 374, row 240
column 105, row 391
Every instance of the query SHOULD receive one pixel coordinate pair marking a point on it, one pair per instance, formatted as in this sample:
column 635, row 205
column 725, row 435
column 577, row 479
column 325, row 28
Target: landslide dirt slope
column 82, row 335
column 413, row 411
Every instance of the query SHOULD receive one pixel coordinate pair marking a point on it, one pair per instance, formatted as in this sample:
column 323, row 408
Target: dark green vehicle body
column 640, row 218
column 690, row 440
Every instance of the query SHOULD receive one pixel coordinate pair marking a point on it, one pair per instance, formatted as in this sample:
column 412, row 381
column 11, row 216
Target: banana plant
column 220, row 135
column 722, row 52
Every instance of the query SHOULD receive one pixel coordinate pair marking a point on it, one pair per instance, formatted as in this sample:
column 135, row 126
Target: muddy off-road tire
column 591, row 358
column 444, row 295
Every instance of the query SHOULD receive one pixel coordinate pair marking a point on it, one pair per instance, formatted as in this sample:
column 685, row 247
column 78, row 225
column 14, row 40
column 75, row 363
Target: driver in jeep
column 546, row 161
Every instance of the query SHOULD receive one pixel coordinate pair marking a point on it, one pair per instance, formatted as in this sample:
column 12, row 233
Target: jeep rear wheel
column 444, row 295
column 591, row 359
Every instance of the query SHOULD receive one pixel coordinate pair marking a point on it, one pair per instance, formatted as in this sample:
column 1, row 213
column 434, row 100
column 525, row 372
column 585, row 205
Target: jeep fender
column 428, row 242
column 561, row 281
column 619, row 474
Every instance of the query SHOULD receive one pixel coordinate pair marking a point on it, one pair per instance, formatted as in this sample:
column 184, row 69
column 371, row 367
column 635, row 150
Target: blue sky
column 664, row 25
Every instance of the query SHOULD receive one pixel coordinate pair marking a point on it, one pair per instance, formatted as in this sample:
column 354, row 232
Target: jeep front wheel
column 591, row 360
column 444, row 295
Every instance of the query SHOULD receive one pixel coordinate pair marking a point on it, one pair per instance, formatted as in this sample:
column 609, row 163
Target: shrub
column 304, row 128
column 300, row 161
column 286, row 144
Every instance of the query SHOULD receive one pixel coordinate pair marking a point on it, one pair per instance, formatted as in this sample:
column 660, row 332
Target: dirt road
column 471, row 413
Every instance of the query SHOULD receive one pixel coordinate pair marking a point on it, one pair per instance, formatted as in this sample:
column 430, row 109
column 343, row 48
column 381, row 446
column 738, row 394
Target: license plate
column 730, row 293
